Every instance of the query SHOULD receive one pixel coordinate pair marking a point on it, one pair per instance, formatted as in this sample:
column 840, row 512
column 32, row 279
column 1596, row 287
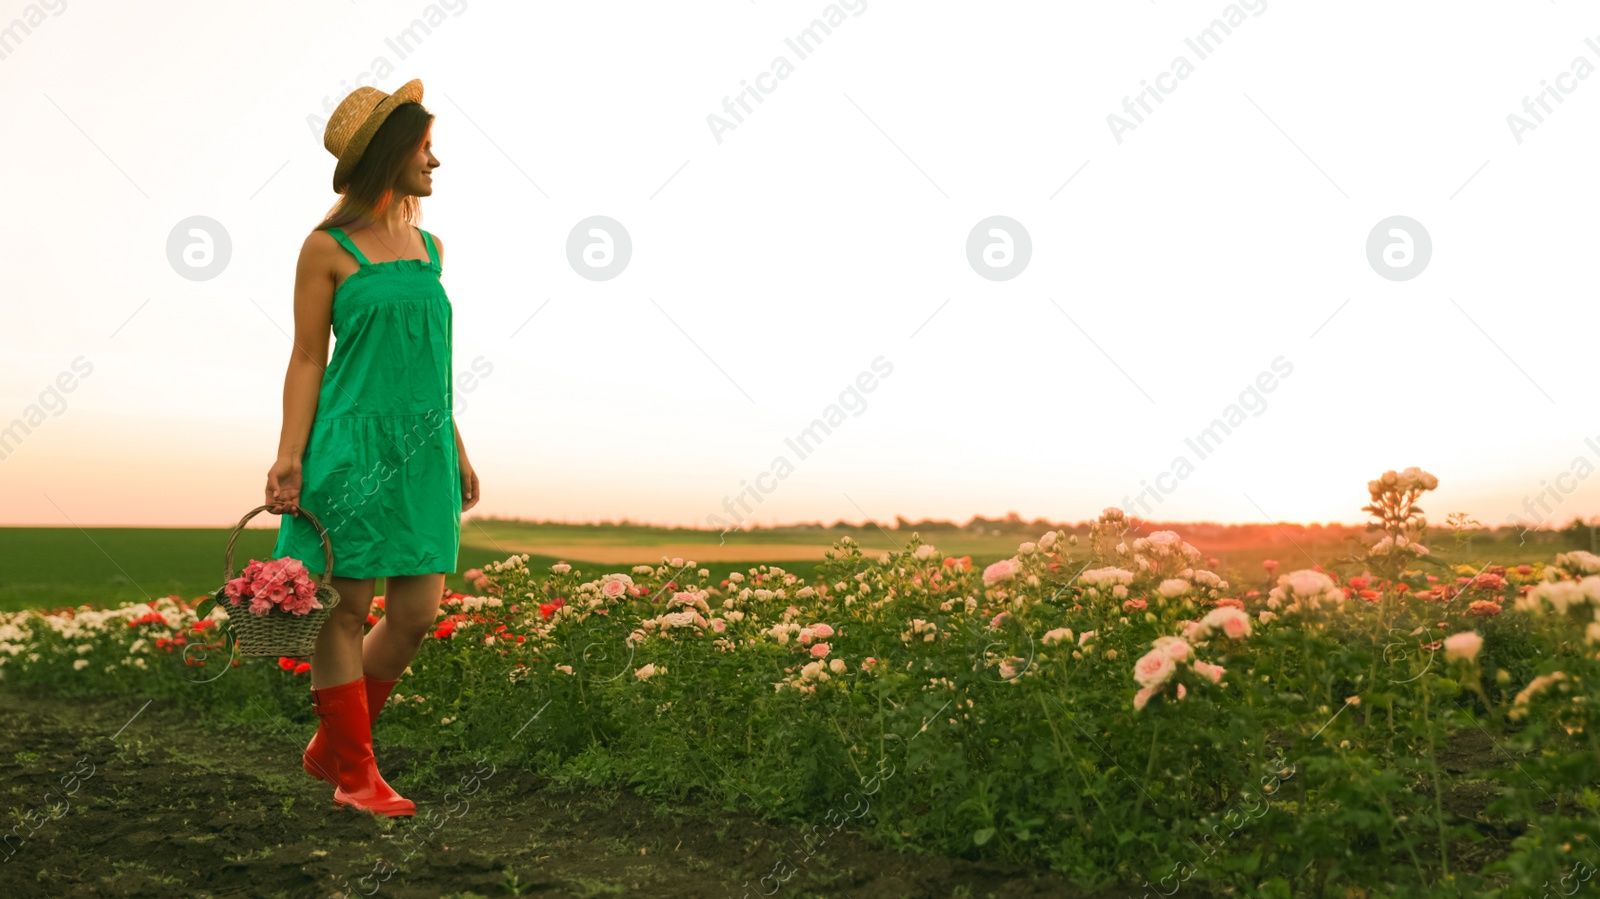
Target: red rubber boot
column 377, row 695
column 357, row 783
column 318, row 757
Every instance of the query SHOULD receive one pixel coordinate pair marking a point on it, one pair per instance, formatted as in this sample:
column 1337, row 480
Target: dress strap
column 433, row 255
column 345, row 241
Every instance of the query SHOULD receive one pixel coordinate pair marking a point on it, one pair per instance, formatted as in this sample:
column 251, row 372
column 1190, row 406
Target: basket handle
column 327, row 545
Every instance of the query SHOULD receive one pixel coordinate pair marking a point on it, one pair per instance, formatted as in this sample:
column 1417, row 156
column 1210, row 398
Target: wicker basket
column 277, row 633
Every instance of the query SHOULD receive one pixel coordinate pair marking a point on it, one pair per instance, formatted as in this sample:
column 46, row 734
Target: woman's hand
column 469, row 485
column 283, row 486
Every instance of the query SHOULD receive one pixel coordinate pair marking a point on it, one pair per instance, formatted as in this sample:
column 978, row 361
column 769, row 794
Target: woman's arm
column 469, row 477
column 313, row 309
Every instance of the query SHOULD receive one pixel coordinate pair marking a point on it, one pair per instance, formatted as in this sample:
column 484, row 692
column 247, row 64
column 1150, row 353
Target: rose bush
column 1104, row 710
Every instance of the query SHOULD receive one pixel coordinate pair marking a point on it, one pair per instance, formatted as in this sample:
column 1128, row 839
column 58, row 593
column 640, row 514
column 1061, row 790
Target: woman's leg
column 337, row 656
column 410, row 610
column 341, row 751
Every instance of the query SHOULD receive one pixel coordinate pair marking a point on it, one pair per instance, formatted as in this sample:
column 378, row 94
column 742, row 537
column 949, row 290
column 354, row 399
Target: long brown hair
column 371, row 189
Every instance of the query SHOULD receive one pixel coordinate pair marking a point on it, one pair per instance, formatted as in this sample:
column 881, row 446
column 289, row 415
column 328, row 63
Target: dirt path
column 164, row 805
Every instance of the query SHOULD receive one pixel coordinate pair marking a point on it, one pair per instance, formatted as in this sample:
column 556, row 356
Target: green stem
column 845, row 744
column 1415, row 860
column 1063, row 747
column 882, row 751
column 1433, row 774
column 1149, row 768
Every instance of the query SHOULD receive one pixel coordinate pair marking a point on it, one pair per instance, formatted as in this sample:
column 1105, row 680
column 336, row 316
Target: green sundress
column 380, row 469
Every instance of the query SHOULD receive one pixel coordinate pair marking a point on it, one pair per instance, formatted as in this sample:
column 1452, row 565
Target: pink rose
column 1463, row 646
column 1230, row 620
column 1175, row 647
column 1003, row 570
column 1141, row 698
column 718, row 625
column 236, row 588
column 1209, row 671
column 1155, row 668
column 820, row 650
column 822, row 630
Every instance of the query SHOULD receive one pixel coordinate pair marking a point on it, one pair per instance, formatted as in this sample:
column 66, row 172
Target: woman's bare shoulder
column 319, row 241
column 438, row 245
column 322, row 256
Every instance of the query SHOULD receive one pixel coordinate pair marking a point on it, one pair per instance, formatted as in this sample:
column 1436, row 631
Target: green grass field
column 68, row 566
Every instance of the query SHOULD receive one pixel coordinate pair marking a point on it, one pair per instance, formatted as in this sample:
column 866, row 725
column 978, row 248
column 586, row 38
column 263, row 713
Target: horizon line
column 892, row 525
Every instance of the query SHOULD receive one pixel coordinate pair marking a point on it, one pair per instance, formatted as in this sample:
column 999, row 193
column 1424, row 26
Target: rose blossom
column 1209, row 671
column 1056, row 635
column 820, row 650
column 1003, row 570
column 1155, row 668
column 1176, row 648
column 1231, row 621
column 1141, row 698
column 1463, row 646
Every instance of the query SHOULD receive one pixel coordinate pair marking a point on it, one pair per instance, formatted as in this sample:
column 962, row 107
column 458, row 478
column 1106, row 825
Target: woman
column 369, row 443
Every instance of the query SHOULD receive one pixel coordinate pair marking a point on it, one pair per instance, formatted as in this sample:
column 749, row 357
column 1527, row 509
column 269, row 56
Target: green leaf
column 982, row 836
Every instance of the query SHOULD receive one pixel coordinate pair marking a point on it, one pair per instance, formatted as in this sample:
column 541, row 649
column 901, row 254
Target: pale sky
column 1168, row 271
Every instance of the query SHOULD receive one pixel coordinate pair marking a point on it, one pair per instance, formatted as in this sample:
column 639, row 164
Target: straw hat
column 356, row 120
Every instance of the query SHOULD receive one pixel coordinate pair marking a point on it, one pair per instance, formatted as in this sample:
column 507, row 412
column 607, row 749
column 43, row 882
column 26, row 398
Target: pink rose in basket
column 279, row 584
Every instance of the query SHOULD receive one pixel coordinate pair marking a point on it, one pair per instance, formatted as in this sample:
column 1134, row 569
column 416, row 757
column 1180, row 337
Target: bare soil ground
column 166, row 805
